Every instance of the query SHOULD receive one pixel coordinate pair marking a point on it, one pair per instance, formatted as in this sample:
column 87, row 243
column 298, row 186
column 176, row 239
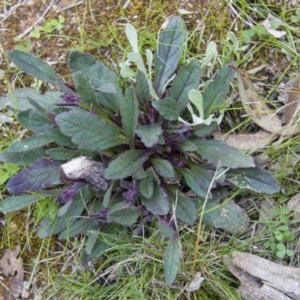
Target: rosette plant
column 125, row 157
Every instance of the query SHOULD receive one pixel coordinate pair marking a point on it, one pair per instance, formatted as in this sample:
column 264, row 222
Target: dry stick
column 12, row 9
column 36, row 22
column 70, row 6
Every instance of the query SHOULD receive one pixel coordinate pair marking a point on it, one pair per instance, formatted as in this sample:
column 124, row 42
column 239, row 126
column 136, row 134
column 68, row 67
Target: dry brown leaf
column 247, row 142
column 13, row 267
column 293, row 102
column 260, row 112
column 294, row 203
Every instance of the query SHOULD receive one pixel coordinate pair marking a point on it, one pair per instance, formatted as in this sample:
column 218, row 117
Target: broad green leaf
column 48, row 226
column 34, row 120
column 62, row 153
column 90, row 243
column 220, row 154
column 30, row 143
column 163, row 167
column 88, row 131
column 36, row 105
column 198, row 180
column 24, row 158
column 149, row 134
column 205, row 130
column 100, row 76
column 107, row 198
column 165, row 229
column 95, row 250
column 167, row 107
column 33, row 66
column 126, row 216
column 146, row 187
column 159, row 203
column 142, row 88
column 111, row 101
column 59, row 138
column 85, row 89
column 81, row 225
column 185, row 209
column 188, row 78
column 140, row 174
column 18, row 99
column 79, row 60
column 40, row 175
column 130, row 112
column 16, row 203
column 126, row 164
column 188, row 146
column 214, row 95
column 253, row 178
column 170, row 44
column 227, row 216
column 172, row 260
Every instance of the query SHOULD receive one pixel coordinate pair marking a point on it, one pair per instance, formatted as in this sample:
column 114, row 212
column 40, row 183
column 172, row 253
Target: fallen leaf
column 13, row 267
column 294, row 203
column 293, row 101
column 195, row 284
column 259, row 111
column 247, row 142
column 278, row 34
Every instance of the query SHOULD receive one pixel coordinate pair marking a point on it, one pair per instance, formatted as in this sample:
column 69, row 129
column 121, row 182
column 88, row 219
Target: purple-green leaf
column 149, row 134
column 163, row 167
column 188, row 78
column 198, row 180
column 170, row 44
column 33, row 66
column 35, row 120
column 126, row 164
column 88, row 130
column 159, row 203
column 146, row 187
column 40, row 175
column 126, row 216
column 167, row 107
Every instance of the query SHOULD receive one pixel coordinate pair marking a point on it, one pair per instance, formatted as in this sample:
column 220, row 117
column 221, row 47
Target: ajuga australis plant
column 122, row 158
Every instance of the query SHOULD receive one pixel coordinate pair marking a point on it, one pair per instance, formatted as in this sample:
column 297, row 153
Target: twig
column 36, row 22
column 11, row 10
